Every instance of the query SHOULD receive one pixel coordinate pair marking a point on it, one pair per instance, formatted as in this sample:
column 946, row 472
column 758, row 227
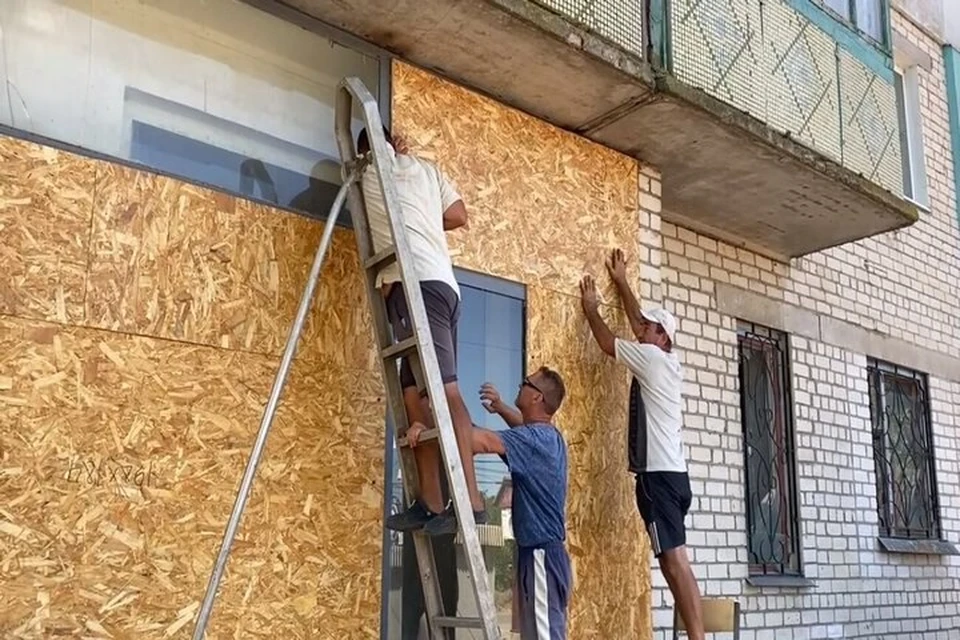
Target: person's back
column 429, row 207
column 659, row 444
column 424, row 195
column 536, row 454
column 538, row 466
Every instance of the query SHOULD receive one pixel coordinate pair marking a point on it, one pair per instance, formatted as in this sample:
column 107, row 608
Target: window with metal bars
column 903, row 452
column 773, row 537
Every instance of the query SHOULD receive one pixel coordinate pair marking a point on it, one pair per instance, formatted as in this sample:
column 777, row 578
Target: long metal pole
column 270, row 411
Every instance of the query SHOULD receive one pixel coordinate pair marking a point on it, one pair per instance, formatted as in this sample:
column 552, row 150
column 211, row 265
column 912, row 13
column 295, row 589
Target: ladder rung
column 381, row 259
column 399, row 349
column 458, row 623
column 426, row 436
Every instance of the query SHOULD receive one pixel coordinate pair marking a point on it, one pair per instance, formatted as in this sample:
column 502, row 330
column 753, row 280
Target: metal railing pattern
column 767, row 59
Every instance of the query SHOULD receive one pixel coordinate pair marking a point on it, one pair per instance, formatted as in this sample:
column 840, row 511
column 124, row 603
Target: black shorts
column 664, row 498
column 443, row 313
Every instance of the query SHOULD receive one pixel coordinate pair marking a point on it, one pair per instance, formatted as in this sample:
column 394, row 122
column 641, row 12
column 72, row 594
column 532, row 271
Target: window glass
column 840, row 7
column 913, row 164
column 772, row 523
column 870, row 18
column 215, row 92
column 904, row 135
column 903, row 452
column 866, row 16
column 490, row 345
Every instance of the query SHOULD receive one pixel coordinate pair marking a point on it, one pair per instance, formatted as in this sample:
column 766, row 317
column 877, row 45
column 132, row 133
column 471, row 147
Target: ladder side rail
column 382, row 327
column 427, row 356
column 433, row 598
column 269, row 413
column 349, row 88
column 409, row 280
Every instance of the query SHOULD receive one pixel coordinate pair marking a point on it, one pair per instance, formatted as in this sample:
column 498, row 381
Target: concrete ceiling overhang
column 725, row 173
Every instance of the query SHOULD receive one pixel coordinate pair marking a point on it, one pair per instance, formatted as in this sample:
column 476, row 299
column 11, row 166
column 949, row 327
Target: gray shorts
column 443, row 313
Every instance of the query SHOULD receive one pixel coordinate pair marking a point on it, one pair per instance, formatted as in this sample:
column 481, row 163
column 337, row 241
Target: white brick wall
column 904, row 284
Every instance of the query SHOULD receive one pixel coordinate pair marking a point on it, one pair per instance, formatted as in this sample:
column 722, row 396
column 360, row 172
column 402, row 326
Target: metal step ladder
column 419, row 349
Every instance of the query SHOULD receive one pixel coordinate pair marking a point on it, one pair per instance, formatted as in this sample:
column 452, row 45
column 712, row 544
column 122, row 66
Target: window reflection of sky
column 490, row 344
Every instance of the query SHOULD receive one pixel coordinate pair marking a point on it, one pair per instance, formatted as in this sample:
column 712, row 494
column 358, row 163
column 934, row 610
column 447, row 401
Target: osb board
column 45, row 206
column 178, row 261
column 542, row 202
column 119, row 471
column 544, row 207
column 608, row 546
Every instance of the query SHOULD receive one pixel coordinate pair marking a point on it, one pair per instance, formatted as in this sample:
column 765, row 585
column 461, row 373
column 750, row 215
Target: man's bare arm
column 617, row 266
column 631, row 306
column 455, row 216
column 601, row 332
column 491, row 399
column 486, row 441
column 511, row 416
column 482, row 440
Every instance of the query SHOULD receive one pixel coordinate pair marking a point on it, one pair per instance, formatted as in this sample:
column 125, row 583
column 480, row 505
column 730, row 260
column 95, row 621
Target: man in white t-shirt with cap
column 656, row 445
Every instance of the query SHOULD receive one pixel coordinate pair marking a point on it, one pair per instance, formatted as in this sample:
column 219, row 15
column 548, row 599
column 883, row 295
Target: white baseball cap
column 664, row 318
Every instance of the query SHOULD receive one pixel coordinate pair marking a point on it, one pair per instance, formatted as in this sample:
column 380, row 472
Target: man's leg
column 683, row 585
column 463, row 426
column 664, row 499
column 427, row 455
column 545, row 581
column 430, row 499
column 443, row 308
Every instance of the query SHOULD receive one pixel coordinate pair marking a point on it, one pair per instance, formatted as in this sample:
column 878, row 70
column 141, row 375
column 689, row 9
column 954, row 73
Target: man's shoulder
column 640, row 350
column 535, row 432
column 547, row 437
column 544, row 429
column 415, row 163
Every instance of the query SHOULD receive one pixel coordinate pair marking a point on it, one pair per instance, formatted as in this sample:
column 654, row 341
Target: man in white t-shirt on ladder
column 430, row 206
column 656, row 455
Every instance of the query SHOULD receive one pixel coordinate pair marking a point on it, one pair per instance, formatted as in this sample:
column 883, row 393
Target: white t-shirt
column 661, row 380
column 424, row 195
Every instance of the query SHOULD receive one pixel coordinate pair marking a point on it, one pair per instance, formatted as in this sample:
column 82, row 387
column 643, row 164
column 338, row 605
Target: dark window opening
column 903, row 452
column 772, row 525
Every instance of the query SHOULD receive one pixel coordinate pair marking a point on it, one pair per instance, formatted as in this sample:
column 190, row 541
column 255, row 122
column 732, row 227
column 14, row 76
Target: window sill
column 925, row 208
column 784, row 582
column 919, row 547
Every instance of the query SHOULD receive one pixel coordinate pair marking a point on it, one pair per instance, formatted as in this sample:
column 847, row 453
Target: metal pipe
column 270, row 410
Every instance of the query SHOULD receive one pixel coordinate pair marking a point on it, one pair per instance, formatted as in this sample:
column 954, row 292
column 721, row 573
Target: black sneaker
column 445, row 523
column 412, row 519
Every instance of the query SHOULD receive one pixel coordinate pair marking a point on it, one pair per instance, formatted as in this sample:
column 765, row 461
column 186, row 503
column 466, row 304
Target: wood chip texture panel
column 142, row 320
column 544, row 207
column 141, row 325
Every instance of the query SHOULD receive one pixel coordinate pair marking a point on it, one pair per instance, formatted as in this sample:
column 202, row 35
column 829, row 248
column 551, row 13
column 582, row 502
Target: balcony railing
column 774, row 128
column 622, row 22
column 772, row 60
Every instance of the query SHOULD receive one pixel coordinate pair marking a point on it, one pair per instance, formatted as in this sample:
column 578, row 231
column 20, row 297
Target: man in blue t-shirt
column 536, row 454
